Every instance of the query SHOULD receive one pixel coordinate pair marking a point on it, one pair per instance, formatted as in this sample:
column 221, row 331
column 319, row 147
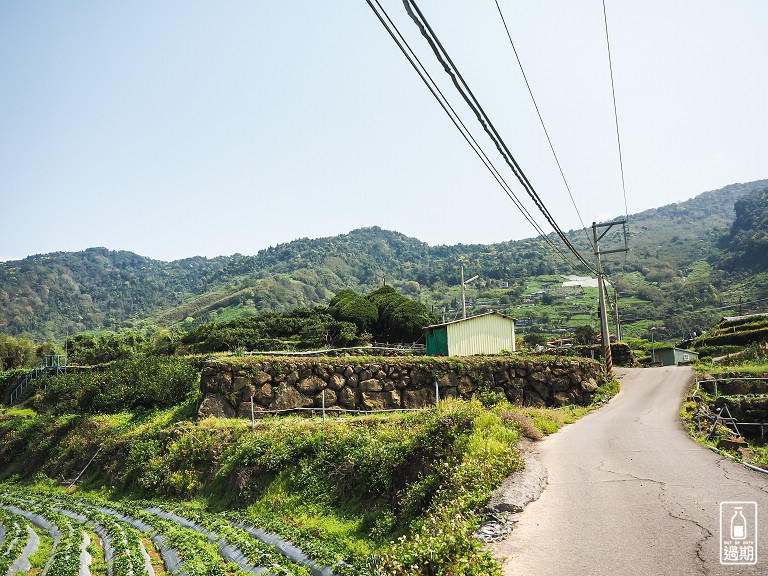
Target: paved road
column 631, row 494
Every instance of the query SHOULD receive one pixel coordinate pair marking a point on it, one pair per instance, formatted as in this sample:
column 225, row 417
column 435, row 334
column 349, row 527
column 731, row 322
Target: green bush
column 9, row 379
column 302, row 328
column 400, row 318
column 349, row 306
column 88, row 350
column 20, row 352
column 144, row 382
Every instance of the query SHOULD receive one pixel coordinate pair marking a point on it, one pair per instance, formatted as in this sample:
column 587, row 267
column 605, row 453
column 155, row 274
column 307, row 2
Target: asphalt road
column 630, row 493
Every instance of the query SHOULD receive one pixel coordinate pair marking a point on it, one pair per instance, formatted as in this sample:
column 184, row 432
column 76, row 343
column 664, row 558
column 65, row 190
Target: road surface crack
column 706, row 533
column 743, row 478
column 631, row 477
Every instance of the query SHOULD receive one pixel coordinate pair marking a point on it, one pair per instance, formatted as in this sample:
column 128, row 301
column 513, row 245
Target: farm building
column 671, row 356
column 483, row 334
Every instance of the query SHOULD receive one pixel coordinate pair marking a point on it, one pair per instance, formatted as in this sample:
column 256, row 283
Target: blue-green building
column 671, row 356
column 488, row 333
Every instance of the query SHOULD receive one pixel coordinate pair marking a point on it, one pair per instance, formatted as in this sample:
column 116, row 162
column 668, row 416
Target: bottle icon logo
column 738, row 525
column 738, row 533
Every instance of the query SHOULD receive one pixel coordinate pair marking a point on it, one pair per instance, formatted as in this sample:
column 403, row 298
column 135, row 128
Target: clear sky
column 182, row 128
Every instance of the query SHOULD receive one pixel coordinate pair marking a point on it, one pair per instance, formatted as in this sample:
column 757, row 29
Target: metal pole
column 463, row 296
column 653, row 346
column 253, row 418
column 437, row 392
column 603, row 312
column 323, row 405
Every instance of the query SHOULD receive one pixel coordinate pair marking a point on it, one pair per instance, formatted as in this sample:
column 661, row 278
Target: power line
column 541, row 119
column 466, row 93
column 412, row 58
column 421, row 70
column 615, row 112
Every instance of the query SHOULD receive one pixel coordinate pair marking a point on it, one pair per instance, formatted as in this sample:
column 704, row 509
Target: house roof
column 492, row 312
column 744, row 317
column 676, row 348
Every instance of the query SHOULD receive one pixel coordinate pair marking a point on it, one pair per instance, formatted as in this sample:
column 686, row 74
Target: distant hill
column 45, row 296
column 745, row 246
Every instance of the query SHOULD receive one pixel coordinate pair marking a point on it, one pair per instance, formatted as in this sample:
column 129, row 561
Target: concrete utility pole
column 464, row 292
column 604, row 330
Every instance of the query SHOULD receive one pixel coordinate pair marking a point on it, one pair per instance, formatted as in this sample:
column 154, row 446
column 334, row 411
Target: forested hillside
column 680, row 261
column 745, row 247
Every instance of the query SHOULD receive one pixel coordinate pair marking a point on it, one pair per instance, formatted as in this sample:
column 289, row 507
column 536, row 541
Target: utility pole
column 464, row 292
column 604, row 330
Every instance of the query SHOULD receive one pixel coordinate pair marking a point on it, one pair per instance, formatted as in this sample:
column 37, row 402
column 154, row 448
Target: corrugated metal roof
column 659, row 349
column 493, row 312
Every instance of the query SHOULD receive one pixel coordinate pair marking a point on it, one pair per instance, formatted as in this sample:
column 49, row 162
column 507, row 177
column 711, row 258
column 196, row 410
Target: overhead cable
column 615, row 112
column 541, row 119
column 414, row 61
column 466, row 93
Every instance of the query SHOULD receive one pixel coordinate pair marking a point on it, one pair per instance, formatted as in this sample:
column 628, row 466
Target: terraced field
column 89, row 536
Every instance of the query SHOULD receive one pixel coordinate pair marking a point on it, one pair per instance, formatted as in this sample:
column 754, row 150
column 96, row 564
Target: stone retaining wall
column 368, row 384
column 745, row 409
column 735, row 383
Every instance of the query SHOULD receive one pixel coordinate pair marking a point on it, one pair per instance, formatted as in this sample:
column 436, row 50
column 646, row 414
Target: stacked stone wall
column 233, row 387
column 735, row 383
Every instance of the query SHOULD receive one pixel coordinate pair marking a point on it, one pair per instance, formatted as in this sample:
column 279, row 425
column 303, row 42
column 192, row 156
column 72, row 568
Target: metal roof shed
column 671, row 356
column 488, row 333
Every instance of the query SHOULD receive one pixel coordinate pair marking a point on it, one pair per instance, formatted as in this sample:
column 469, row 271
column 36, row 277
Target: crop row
column 184, row 551
column 124, row 552
column 274, row 555
column 191, row 541
column 68, row 536
column 298, row 544
column 16, row 536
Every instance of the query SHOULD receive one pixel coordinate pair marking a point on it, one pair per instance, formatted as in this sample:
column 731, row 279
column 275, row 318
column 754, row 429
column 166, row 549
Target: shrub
column 144, row 382
column 349, row 306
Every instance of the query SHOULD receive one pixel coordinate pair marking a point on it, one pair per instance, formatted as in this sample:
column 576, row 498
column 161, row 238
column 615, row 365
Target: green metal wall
column 437, row 341
column 673, row 356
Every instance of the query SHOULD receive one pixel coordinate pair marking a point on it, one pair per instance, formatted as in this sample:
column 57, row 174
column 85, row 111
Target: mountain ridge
column 49, row 294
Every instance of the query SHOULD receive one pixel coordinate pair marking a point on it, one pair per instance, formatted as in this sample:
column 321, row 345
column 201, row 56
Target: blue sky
column 174, row 129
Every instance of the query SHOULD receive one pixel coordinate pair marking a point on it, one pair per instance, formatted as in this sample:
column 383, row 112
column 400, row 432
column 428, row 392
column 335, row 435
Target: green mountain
column 677, row 263
column 746, row 245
